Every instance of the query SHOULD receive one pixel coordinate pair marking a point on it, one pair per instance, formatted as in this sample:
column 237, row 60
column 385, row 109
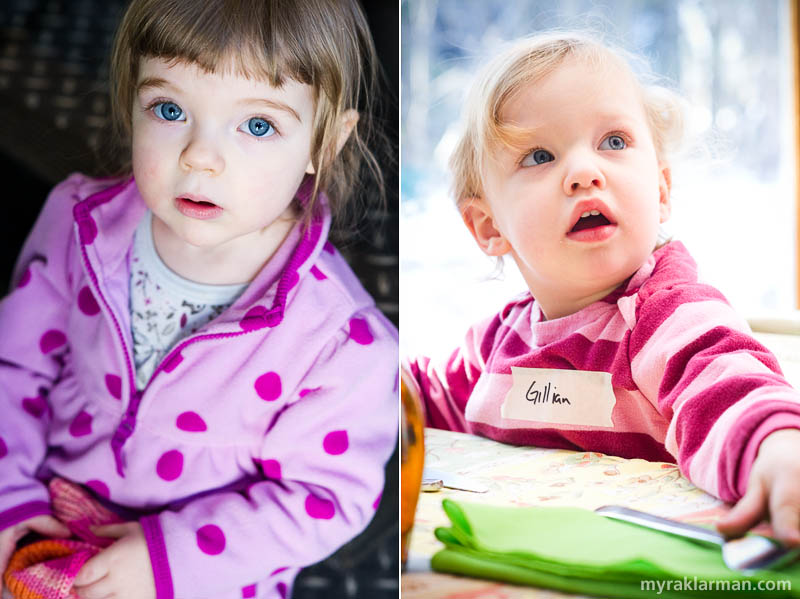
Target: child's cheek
column 144, row 165
column 152, row 151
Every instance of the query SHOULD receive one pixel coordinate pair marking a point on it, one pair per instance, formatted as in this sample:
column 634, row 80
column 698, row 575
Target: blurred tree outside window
column 733, row 208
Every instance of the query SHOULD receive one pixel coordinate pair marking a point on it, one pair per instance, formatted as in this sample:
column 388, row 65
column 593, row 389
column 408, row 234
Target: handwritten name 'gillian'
column 545, row 395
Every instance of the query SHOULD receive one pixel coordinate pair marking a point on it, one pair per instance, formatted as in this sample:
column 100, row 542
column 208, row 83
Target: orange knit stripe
column 30, row 555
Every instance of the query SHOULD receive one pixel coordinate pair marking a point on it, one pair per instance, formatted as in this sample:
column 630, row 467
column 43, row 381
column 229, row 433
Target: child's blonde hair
column 525, row 62
column 323, row 43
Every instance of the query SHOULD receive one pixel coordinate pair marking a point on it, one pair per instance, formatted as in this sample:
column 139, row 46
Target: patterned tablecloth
column 528, row 476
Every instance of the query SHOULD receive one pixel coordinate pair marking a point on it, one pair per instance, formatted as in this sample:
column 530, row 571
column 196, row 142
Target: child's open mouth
column 589, row 220
column 197, row 207
column 592, row 225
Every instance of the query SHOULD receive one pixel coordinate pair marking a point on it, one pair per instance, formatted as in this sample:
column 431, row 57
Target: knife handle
column 690, row 531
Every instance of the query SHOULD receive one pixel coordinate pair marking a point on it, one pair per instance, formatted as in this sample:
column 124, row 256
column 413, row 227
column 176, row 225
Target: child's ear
column 478, row 217
column 664, row 192
column 347, row 122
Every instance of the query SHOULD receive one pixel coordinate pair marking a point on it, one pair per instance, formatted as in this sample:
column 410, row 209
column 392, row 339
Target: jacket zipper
column 128, row 422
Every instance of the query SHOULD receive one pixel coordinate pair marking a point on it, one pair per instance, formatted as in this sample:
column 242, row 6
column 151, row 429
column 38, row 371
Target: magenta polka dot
column 268, row 386
column 35, row 406
column 328, row 247
column 282, row 589
column 359, row 331
column 335, row 442
column 99, row 487
column 248, row 591
column 319, row 508
column 51, row 340
column 170, row 465
column 271, row 469
column 304, row 392
column 25, row 278
column 191, row 422
column 82, row 425
column 279, row 570
column 318, row 274
column 114, row 385
column 3, row 448
column 377, row 501
column 87, row 303
column 211, row 539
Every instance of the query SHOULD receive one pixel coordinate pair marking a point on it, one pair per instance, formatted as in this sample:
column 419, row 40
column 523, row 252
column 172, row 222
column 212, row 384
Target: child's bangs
column 509, row 136
column 222, row 37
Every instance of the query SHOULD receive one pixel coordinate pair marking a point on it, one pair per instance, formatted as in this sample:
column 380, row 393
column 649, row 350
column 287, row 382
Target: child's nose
column 583, row 173
column 201, row 154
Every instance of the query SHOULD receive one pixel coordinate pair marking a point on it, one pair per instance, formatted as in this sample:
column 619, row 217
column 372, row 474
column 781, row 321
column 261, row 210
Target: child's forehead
column 574, row 88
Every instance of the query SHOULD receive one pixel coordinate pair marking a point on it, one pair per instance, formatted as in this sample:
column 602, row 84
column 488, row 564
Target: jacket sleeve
column 322, row 464
column 721, row 390
column 33, row 346
column 445, row 387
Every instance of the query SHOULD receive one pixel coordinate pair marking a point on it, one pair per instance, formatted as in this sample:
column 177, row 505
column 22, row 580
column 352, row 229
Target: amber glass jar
column 412, row 456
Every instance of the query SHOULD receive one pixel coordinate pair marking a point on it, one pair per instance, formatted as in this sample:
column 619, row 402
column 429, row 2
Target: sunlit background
column 733, row 205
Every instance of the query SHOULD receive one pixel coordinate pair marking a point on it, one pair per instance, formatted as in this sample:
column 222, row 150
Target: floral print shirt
column 165, row 307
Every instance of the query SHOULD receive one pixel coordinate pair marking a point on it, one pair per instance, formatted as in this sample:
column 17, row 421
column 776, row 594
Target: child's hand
column 773, row 489
column 122, row 570
column 45, row 525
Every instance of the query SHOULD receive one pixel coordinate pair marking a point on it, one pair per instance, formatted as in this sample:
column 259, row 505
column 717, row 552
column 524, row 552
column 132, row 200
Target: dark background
column 53, row 116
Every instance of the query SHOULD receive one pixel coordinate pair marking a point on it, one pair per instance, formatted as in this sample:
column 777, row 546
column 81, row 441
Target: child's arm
column 322, row 462
column 721, row 390
column 33, row 348
column 444, row 389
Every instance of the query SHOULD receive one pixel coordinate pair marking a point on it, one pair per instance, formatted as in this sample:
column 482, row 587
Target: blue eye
column 169, row 111
column 613, row 142
column 537, row 157
column 260, row 127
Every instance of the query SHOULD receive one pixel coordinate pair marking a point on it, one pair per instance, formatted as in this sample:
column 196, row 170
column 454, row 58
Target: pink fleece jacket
column 258, row 445
column 661, row 369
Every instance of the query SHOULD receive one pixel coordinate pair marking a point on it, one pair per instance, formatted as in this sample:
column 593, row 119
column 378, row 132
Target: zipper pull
column 124, row 431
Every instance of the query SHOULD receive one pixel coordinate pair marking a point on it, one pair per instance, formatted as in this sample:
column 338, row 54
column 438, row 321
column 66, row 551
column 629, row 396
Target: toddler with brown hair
column 183, row 341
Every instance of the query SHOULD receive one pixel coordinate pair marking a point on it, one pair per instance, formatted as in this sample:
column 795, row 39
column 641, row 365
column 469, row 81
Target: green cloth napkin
column 578, row 551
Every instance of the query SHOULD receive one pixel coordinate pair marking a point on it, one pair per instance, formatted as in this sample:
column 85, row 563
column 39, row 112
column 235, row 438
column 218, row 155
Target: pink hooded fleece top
column 660, row 369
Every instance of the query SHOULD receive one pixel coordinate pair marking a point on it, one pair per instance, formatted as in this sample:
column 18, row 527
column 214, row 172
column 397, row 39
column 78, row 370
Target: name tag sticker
column 560, row 396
